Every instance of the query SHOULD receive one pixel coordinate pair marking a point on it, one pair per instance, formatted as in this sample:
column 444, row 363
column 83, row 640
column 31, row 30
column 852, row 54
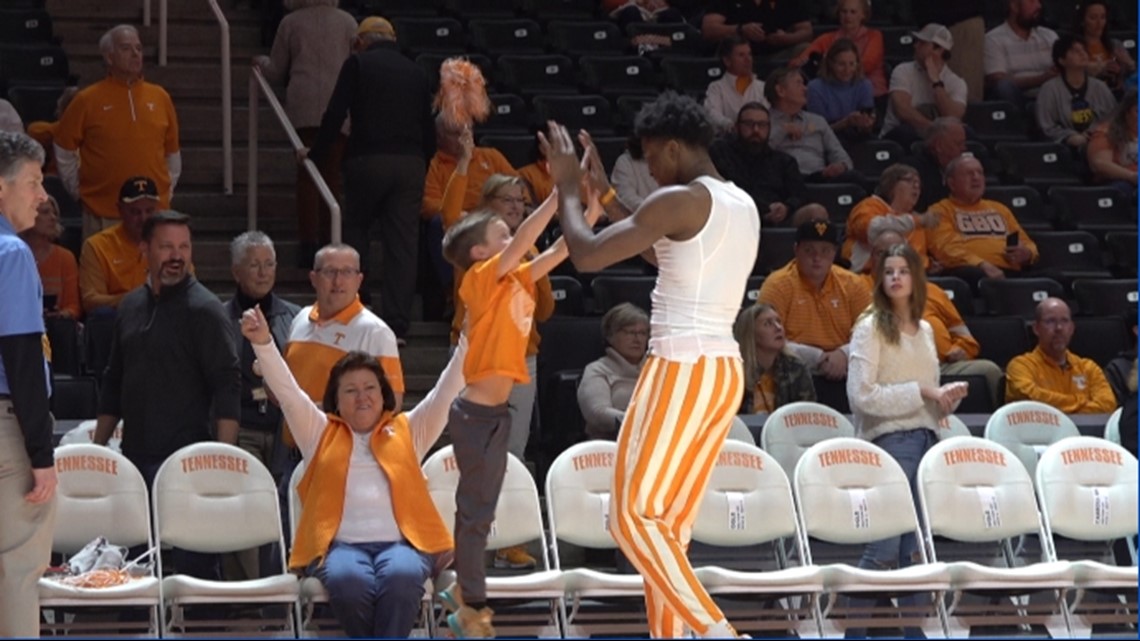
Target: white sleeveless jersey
column 701, row 281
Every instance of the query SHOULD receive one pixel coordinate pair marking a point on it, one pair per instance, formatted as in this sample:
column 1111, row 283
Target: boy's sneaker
column 451, row 598
column 467, row 623
column 515, row 557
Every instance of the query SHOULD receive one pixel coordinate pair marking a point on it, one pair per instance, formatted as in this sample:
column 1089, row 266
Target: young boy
column 498, row 291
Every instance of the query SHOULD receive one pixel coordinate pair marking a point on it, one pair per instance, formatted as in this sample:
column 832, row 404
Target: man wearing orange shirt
column 119, row 127
column 110, row 263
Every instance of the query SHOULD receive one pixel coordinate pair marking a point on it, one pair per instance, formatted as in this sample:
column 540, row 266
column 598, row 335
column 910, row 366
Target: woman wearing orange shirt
column 59, row 272
column 1112, row 147
column 1108, row 58
column 890, row 208
column 852, row 15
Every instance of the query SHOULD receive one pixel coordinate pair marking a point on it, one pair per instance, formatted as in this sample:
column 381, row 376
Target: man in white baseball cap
column 924, row 89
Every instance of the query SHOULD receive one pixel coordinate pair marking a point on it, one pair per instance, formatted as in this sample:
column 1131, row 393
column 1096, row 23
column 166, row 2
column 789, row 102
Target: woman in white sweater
column 607, row 383
column 892, row 381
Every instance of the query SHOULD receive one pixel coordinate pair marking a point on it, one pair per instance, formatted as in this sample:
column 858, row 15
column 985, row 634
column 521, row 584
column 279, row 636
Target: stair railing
column 258, row 86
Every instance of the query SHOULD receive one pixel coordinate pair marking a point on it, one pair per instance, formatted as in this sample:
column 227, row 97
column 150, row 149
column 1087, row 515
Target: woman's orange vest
column 322, row 491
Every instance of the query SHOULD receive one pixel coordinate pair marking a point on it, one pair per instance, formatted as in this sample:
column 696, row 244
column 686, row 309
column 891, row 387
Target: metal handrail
column 227, row 82
column 258, row 85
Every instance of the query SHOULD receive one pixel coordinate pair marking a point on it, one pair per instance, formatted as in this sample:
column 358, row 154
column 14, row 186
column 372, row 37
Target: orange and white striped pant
column 673, row 431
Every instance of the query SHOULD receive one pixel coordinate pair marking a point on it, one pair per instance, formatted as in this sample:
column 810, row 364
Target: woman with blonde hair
column 59, row 272
column 841, row 94
column 773, row 376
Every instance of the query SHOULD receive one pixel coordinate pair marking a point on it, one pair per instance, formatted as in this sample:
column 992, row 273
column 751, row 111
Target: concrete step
column 202, row 166
column 200, row 121
column 80, row 34
column 199, row 79
column 116, row 11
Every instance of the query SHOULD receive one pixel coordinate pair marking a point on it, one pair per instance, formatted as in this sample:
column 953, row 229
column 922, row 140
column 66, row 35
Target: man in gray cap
column 925, row 88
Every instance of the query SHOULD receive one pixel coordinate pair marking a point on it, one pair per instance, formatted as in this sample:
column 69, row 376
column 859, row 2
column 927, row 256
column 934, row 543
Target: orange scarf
column 322, row 491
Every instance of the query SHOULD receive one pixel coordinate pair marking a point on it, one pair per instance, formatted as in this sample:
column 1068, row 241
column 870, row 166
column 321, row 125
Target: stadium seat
column 591, row 113
column 898, row 44
column 514, row 36
column 1001, row 338
column 313, row 592
column 832, row 394
column 951, row 426
column 968, row 495
column 479, row 9
column 432, row 61
column 610, row 290
column 25, row 26
column 1092, row 208
column 585, row 38
column 520, row 150
column 852, row 492
column 1069, row 255
column 628, row 108
column 35, row 102
column 63, row 334
column 1101, row 338
column 1026, row 428
column 1112, row 426
column 568, row 298
column 996, row 121
column 1075, row 491
column 430, row 35
column 691, row 75
column 1026, row 204
column 872, row 156
column 1122, row 252
column 959, row 293
column 33, row 64
column 509, row 115
column 748, row 503
column 402, row 8
column 568, row 345
column 74, row 397
column 609, row 148
column 1040, row 165
column 530, row 76
column 618, row 76
column 1018, row 296
column 752, row 291
column 518, row 521
column 685, row 40
column 838, row 198
column 777, row 249
column 560, row 9
column 793, row 428
column 1105, row 296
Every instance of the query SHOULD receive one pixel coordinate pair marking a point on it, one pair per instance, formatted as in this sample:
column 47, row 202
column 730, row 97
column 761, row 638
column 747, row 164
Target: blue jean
column 907, row 448
column 375, row 588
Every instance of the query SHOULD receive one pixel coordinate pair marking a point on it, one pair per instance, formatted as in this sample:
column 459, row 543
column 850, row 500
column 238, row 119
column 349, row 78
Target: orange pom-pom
column 462, row 97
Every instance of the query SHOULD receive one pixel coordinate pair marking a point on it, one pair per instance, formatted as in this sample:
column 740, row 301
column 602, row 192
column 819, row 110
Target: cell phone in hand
column 1011, row 239
column 50, row 302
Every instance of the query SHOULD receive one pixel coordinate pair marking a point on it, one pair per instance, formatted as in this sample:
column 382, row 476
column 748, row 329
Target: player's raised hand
column 565, row 167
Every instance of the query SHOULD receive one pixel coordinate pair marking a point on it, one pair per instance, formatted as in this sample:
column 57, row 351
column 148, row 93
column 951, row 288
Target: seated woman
column 841, row 94
column 607, row 383
column 59, row 273
column 1112, row 147
column 368, row 528
column 1069, row 104
column 852, row 16
column 773, row 376
column 890, row 208
column 1108, row 58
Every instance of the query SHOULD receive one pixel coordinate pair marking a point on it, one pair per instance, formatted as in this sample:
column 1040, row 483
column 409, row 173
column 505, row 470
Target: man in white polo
column 924, row 89
column 1019, row 54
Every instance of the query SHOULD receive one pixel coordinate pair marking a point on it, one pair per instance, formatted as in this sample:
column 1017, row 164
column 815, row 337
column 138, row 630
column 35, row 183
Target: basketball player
column 703, row 234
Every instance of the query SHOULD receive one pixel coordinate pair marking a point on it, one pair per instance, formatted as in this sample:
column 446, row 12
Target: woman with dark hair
column 1072, row 102
column 1112, row 147
column 893, row 384
column 368, row 528
column 773, row 376
column 890, row 208
column 841, row 94
column 1108, row 59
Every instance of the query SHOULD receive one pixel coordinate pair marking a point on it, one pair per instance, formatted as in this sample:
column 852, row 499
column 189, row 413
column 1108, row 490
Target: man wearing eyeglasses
column 336, row 324
column 771, row 177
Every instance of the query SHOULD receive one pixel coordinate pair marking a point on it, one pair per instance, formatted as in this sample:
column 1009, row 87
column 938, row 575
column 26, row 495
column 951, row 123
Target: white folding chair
column 1088, row 492
column 1112, row 426
column 851, row 492
column 212, row 498
column 518, row 520
column 739, row 431
column 1026, row 428
column 951, row 426
column 793, row 428
column 578, row 486
column 100, row 493
column 748, row 503
column 85, row 433
column 974, row 491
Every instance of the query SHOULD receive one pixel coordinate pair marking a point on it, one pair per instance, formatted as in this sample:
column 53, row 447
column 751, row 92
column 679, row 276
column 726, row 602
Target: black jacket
column 769, row 176
column 279, row 313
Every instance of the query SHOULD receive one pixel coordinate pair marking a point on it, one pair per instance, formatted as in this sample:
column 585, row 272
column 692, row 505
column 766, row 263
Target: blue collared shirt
column 21, row 293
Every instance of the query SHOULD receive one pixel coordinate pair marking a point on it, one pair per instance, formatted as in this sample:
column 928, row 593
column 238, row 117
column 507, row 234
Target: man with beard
column 1019, row 54
column 772, row 178
column 173, row 368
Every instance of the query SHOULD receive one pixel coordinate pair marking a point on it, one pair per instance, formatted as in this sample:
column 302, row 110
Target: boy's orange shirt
column 500, row 313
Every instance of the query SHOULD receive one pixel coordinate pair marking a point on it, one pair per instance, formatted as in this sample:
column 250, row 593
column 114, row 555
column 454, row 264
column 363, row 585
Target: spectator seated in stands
column 44, row 132
column 738, row 85
column 771, row 177
column 810, row 212
column 773, row 375
column 957, row 348
column 776, row 29
column 1108, row 59
column 1019, row 54
column 945, row 141
column 803, row 135
column 841, row 94
column 891, row 207
column 607, row 383
column 59, row 274
column 1112, row 147
column 971, row 239
column 1053, row 375
column 852, row 16
column 536, row 177
column 1119, row 368
column 1068, row 105
column 817, row 300
column 110, row 263
column 924, row 88
column 630, row 176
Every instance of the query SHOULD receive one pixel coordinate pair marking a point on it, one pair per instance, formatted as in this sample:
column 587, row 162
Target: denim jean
column 375, row 588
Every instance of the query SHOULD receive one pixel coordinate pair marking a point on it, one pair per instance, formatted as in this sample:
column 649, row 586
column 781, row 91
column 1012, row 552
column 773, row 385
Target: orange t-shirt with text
column 500, row 313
